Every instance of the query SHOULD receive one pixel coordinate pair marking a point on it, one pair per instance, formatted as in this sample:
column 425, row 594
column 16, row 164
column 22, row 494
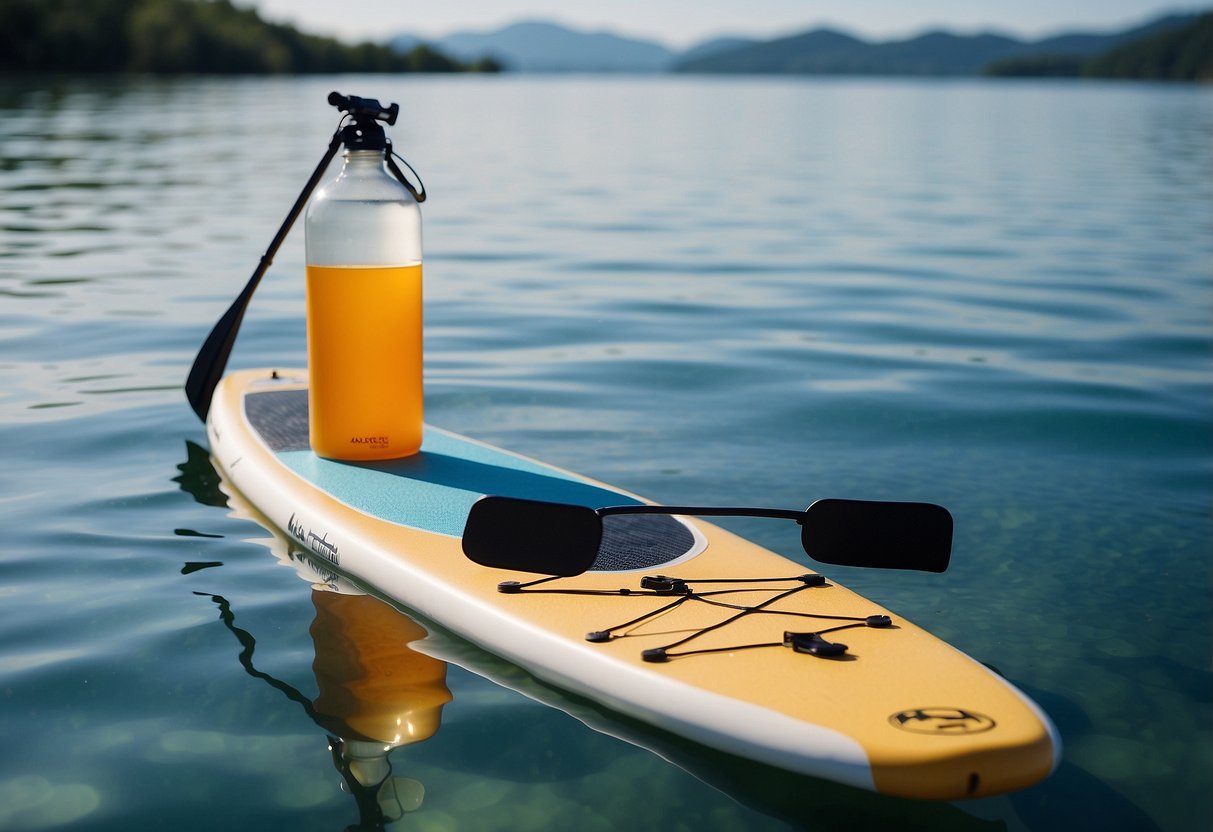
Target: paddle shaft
column 706, row 511
column 212, row 357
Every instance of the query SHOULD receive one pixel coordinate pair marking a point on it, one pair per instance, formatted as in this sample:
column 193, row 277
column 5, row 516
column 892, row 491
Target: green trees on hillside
column 184, row 36
column 1184, row 54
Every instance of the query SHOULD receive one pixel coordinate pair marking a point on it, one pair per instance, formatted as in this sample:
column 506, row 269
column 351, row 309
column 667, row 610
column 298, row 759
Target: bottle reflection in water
column 376, row 694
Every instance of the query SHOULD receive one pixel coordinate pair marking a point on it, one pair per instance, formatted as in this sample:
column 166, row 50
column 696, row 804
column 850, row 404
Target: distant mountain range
column 934, row 53
column 547, row 47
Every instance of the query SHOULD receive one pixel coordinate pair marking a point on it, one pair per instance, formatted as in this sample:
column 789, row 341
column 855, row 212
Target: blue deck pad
column 435, row 489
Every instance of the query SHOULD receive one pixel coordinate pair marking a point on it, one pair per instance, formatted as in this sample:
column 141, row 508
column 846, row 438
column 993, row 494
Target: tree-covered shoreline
column 1185, row 54
column 174, row 37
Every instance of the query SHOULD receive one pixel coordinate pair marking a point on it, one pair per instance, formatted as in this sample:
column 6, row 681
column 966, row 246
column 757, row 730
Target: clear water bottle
column 364, row 340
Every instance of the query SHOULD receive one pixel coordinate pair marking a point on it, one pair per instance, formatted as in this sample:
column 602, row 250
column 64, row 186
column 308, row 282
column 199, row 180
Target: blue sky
column 681, row 23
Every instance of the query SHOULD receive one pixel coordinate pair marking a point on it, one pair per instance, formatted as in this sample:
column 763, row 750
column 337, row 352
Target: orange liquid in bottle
column 364, row 361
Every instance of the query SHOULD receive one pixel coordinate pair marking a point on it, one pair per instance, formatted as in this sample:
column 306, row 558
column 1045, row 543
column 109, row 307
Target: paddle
column 563, row 539
column 212, row 357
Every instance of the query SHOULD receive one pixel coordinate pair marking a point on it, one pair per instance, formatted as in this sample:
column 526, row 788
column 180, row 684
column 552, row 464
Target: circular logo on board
column 941, row 721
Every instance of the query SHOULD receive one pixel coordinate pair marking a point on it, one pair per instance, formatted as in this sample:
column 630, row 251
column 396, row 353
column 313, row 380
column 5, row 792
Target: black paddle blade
column 211, row 360
column 532, row 536
column 882, row 535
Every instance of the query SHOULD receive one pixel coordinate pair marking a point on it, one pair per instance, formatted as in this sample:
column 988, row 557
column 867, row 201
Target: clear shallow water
column 991, row 295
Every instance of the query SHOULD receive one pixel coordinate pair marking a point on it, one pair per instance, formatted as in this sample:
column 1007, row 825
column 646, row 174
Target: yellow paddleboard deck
column 900, row 712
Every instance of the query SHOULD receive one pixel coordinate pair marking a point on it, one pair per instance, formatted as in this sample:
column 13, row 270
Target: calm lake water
column 995, row 296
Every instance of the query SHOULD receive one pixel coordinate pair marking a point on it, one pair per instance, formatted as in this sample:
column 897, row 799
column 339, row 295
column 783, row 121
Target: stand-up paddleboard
column 677, row 622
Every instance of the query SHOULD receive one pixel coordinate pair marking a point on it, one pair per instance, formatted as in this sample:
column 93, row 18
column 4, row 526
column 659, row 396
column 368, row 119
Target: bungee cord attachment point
column 681, row 590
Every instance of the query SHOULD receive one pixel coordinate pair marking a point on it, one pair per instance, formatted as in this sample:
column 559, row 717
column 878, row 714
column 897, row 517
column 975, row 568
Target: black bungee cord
column 808, row 643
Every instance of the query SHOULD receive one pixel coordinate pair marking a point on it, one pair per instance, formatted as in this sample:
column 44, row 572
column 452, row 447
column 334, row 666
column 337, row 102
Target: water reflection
column 375, row 692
